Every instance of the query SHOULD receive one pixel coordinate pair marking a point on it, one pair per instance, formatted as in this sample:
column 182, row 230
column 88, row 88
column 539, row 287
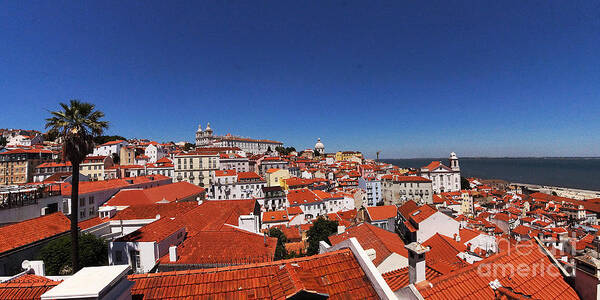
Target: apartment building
column 196, row 167
column 17, row 166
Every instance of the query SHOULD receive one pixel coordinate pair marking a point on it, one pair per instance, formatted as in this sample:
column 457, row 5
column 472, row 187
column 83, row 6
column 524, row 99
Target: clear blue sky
column 410, row 78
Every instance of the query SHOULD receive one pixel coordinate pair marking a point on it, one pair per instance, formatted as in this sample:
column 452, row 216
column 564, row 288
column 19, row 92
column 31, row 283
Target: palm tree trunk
column 75, row 216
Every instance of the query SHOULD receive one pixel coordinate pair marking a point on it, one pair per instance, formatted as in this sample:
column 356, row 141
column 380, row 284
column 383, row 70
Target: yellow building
column 275, row 177
column 17, row 165
column 348, row 156
column 94, row 167
column 196, row 167
column 127, row 155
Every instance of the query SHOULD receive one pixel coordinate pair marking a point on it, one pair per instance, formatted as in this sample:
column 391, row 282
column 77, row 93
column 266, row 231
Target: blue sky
column 410, row 78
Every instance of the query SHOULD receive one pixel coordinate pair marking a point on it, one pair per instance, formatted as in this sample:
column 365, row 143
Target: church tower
column 454, row 162
column 199, row 135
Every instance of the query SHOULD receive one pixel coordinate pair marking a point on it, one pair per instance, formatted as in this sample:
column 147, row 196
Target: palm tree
column 77, row 124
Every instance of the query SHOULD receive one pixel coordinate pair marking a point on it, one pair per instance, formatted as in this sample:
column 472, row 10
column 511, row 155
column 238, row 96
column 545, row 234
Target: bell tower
column 454, row 162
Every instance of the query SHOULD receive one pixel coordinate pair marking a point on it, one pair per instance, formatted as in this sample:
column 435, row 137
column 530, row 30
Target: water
column 581, row 173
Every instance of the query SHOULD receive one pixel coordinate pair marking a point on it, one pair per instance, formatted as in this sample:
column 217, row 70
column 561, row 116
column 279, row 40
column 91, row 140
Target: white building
column 231, row 185
column 108, row 148
column 397, row 189
column 155, row 151
column 443, row 178
column 319, row 147
column 24, row 140
column 372, row 187
column 205, row 138
column 234, row 161
column 425, row 221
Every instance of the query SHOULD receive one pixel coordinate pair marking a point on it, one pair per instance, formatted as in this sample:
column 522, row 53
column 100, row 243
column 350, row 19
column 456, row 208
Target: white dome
column 453, row 155
column 319, row 145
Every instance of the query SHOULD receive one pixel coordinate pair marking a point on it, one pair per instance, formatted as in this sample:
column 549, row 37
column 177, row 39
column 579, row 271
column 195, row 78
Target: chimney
column 457, row 237
column 173, row 253
column 341, row 229
column 416, row 262
column 37, row 266
column 371, row 253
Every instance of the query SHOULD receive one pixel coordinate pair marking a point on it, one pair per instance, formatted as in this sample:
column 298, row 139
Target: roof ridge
column 241, row 267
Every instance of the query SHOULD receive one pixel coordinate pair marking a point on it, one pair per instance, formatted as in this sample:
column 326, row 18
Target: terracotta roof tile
column 419, row 215
column 229, row 246
column 336, row 273
column 379, row 213
column 372, row 237
column 473, row 283
column 32, row 230
column 168, row 192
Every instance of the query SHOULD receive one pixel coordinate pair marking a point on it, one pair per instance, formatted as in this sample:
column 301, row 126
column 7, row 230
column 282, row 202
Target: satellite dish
column 26, row 265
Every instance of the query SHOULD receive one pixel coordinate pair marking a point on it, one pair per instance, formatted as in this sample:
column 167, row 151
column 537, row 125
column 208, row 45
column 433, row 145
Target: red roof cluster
column 372, row 237
column 507, row 269
column 167, row 193
column 336, row 274
column 32, row 230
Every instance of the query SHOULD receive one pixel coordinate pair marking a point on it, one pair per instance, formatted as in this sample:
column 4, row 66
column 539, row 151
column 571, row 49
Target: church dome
column 319, row 145
column 453, row 156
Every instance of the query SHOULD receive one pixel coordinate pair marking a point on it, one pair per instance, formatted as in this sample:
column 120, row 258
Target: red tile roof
column 229, row 246
column 302, row 196
column 112, row 143
column 248, row 175
column 467, row 234
column 445, row 249
column 168, row 192
column 336, row 273
column 508, row 269
column 372, row 237
column 275, row 216
column 154, row 232
column 399, row 278
column 380, row 213
column 408, row 207
column 294, row 210
column 94, row 186
column 26, row 287
column 30, row 231
column 221, row 173
column 54, row 164
column 422, row 213
column 150, row 211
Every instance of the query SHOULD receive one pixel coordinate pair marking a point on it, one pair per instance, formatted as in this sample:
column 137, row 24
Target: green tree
column 280, row 252
column 116, row 159
column 464, row 183
column 3, row 141
column 56, row 258
column 77, row 123
column 320, row 231
column 281, row 150
column 188, row 146
column 101, row 139
column 316, row 153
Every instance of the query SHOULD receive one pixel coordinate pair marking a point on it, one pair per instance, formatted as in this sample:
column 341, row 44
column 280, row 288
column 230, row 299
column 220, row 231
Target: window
column 82, row 201
column 82, row 214
column 135, row 259
column 91, row 200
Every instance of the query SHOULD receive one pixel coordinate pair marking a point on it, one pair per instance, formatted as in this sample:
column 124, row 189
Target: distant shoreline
column 568, row 172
